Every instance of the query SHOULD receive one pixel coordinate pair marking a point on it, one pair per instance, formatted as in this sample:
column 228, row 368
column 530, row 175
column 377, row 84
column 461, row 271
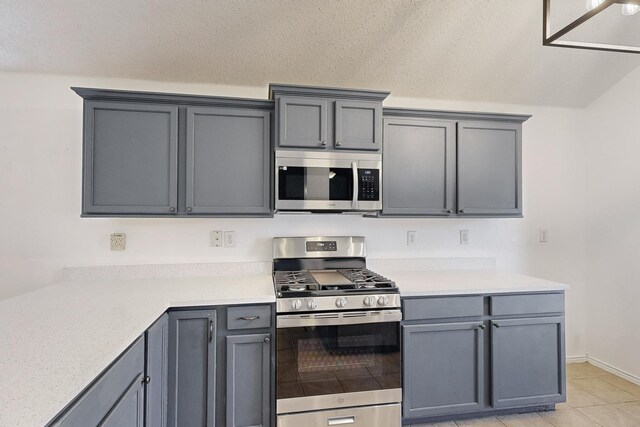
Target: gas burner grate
column 367, row 279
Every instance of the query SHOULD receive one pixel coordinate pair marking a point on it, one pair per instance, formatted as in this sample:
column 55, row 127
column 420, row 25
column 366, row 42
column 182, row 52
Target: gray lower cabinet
column 528, row 361
column 192, row 363
column 449, row 371
column 358, row 125
column 157, row 376
column 443, row 369
column 130, row 158
column 228, row 157
column 248, row 380
column 116, row 398
column 489, row 168
column 419, row 167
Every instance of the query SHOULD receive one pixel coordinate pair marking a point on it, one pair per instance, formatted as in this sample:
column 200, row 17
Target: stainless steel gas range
column 338, row 359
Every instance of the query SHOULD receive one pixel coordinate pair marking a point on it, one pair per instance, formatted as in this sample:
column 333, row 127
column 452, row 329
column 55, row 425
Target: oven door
column 335, row 360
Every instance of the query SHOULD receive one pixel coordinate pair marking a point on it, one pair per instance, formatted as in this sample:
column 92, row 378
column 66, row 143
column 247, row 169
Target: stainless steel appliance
column 328, row 181
column 338, row 324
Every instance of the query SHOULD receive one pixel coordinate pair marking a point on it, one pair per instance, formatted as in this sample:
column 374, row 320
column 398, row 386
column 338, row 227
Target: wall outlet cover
column 464, row 237
column 412, row 238
column 544, row 235
column 230, row 239
column 118, row 241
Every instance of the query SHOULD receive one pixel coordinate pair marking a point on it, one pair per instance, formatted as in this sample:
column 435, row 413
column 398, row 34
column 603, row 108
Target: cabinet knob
column 461, row 211
column 323, row 143
column 267, row 339
column 172, row 209
column 481, row 326
column 449, row 211
column 497, row 325
column 189, row 209
column 146, row 380
column 338, row 143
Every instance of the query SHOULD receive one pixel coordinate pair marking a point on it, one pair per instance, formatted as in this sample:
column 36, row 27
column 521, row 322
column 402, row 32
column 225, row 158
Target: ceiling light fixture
column 594, row 7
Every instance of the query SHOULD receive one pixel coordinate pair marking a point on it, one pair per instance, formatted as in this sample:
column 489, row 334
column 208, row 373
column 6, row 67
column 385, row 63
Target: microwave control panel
column 369, row 184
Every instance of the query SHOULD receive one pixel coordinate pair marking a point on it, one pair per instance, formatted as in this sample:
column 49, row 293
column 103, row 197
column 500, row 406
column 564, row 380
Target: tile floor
column 594, row 398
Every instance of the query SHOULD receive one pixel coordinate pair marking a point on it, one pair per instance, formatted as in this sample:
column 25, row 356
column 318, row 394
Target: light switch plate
column 230, row 239
column 216, row 239
column 412, row 238
column 544, row 235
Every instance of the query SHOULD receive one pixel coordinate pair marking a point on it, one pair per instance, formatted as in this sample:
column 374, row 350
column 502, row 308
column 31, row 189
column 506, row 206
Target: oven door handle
column 356, row 189
column 339, row 421
column 338, row 318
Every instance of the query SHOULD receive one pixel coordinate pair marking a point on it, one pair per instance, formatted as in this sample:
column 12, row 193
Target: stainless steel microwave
column 309, row 181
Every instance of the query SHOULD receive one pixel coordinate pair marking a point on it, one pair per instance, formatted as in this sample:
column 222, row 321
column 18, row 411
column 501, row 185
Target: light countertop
column 56, row 340
column 434, row 282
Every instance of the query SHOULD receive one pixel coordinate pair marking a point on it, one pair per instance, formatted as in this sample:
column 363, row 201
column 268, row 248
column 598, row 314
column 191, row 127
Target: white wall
column 614, row 226
column 41, row 228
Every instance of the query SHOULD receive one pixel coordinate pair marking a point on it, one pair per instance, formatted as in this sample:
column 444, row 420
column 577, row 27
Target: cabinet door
column 302, row 122
column 192, row 368
column 128, row 412
column 156, row 387
column 116, row 398
column 248, row 380
column 443, row 369
column 130, row 158
column 358, row 125
column 527, row 362
column 228, row 158
column 489, row 168
column 418, row 167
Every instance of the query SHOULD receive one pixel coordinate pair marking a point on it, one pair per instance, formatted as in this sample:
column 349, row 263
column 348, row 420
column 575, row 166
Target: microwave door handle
column 356, row 190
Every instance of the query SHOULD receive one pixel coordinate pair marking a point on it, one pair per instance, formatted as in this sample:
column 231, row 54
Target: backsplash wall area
column 40, row 168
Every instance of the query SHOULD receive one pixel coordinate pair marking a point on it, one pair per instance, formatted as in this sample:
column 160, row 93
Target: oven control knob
column 341, row 302
column 370, row 301
column 312, row 304
column 296, row 304
column 383, row 300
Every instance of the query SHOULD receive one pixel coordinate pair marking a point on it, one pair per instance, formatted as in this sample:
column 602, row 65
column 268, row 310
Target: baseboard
column 577, row 359
column 627, row 376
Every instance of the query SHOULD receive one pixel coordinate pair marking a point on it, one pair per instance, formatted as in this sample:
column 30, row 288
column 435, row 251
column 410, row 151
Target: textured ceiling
column 478, row 50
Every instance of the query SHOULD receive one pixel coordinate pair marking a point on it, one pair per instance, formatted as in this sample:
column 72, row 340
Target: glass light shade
column 592, row 4
column 630, row 9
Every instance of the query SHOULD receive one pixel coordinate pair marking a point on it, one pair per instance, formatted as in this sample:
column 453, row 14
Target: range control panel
column 326, row 246
column 369, row 184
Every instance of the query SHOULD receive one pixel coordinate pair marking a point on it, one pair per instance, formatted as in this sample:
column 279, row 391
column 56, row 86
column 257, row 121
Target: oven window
column 307, row 183
column 320, row 360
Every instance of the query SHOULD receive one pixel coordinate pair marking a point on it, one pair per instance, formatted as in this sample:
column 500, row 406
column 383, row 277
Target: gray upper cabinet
column 116, row 398
column 228, row 161
column 358, row 125
column 489, row 168
column 418, row 167
column 527, row 362
column 130, row 158
column 302, row 122
column 327, row 118
column 443, row 369
column 157, row 376
column 248, row 380
column 192, row 362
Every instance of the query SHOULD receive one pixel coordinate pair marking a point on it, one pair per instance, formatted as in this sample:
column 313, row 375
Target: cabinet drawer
column 249, row 317
column 440, row 308
column 505, row 305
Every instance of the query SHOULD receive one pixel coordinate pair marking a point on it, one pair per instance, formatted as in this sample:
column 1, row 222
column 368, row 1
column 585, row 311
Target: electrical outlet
column 464, row 237
column 544, row 235
column 412, row 238
column 118, row 241
column 216, row 239
column 230, row 239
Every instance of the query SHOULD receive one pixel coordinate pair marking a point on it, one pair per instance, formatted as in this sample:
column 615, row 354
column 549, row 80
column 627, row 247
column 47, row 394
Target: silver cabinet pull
column 497, row 325
column 189, row 209
column 449, row 211
column 323, row 143
column 210, row 330
column 146, row 380
column 481, row 326
column 461, row 210
column 172, row 209
column 339, row 421
column 267, row 339
column 248, row 318
column 338, row 143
